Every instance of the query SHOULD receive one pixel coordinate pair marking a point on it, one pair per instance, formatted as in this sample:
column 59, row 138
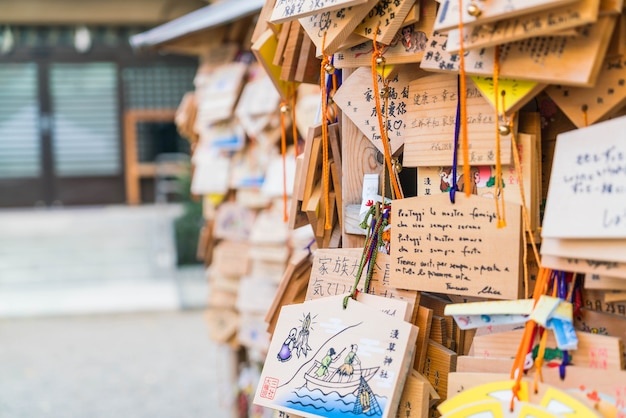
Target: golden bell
column 329, row 68
column 504, row 130
column 397, row 166
column 473, row 10
column 384, row 92
column 284, row 108
column 380, row 60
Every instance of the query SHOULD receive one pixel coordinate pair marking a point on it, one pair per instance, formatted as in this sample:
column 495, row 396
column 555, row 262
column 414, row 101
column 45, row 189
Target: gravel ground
column 124, row 366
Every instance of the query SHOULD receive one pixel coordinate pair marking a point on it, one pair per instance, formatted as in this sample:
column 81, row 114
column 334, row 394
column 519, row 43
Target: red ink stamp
column 268, row 391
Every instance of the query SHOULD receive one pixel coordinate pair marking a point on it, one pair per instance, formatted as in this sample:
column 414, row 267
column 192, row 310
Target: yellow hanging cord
column 542, row 350
column 383, row 128
column 539, row 360
column 585, row 119
column 463, row 103
column 324, row 69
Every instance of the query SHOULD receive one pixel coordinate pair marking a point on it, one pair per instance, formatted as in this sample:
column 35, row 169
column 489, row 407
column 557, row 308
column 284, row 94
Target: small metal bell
column 397, row 166
column 384, row 92
column 329, row 68
column 473, row 10
column 504, row 130
column 284, row 108
column 380, row 60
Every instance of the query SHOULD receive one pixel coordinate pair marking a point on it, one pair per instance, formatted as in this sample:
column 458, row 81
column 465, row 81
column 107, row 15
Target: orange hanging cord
column 499, row 189
column 376, row 55
column 325, row 68
column 463, row 102
column 283, row 151
column 541, row 285
column 294, row 127
column 525, row 346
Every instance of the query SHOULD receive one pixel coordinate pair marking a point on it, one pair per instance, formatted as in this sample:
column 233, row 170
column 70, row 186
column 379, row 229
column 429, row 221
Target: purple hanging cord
column 457, row 128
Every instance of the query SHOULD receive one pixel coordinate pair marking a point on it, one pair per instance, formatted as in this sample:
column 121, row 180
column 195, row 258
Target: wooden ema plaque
column 334, row 271
column 594, row 351
column 595, row 281
column 583, row 265
column 607, row 250
column 490, row 11
column 286, row 10
column 335, row 25
column 406, row 47
column 304, row 371
column 492, row 399
column 455, row 248
column 517, row 92
column 388, row 17
column 440, row 361
column 608, row 95
column 264, row 49
column 588, row 182
column 415, row 396
column 218, row 92
column 437, row 180
column 356, row 99
column 577, row 60
column 594, row 300
column 540, row 23
column 430, row 120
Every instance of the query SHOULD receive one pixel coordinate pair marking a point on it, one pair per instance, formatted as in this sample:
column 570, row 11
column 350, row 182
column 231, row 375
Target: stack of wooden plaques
column 310, row 199
column 504, row 121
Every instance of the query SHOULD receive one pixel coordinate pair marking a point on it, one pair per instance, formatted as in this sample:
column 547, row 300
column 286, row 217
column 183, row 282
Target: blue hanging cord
column 562, row 294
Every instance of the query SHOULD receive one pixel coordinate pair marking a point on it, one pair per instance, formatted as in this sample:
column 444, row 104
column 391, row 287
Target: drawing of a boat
column 334, row 381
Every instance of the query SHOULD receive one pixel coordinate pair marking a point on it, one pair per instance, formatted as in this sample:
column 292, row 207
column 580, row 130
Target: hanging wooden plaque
column 610, row 250
column 415, row 396
column 218, row 92
column 606, row 96
column 430, row 120
column 490, row 11
column 291, row 54
column 437, row 180
column 577, row 62
column 516, row 92
column 356, row 99
column 455, row 248
column 233, row 222
column 333, row 27
column 594, row 351
column 583, row 265
column 406, row 47
column 334, row 271
column 375, row 348
column 264, row 49
column 588, row 181
column 595, row 281
column 440, row 361
column 384, row 20
column 542, row 23
column 286, row 10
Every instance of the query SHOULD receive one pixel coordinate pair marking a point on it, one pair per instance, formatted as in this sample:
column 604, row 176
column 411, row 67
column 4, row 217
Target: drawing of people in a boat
column 344, row 379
